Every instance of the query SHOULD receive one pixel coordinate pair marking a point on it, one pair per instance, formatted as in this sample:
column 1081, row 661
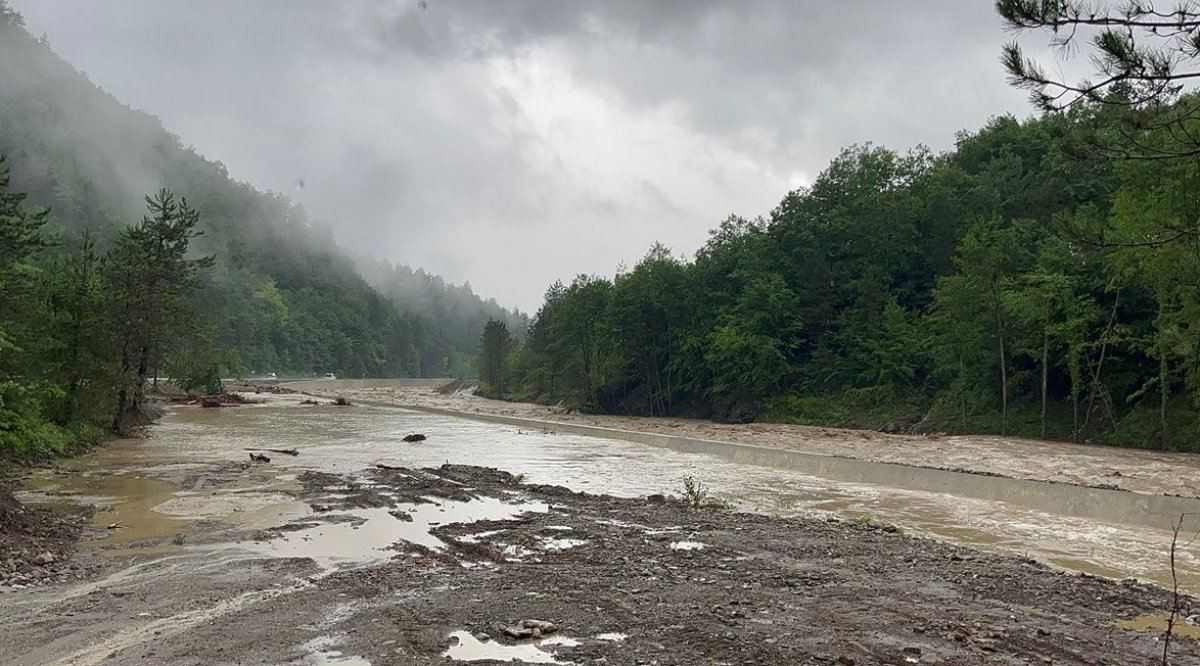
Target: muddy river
column 137, row 486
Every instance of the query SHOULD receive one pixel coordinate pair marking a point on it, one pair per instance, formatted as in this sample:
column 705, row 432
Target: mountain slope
column 282, row 296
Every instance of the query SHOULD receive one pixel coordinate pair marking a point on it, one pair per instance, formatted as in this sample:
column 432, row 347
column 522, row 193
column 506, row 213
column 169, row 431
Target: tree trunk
column 1095, row 383
column 1003, row 358
column 1164, row 392
column 1003, row 388
column 962, row 391
column 1074, row 362
column 1045, row 363
column 118, row 423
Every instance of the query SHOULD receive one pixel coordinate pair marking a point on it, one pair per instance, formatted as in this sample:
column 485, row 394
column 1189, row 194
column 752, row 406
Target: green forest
column 1018, row 284
column 125, row 255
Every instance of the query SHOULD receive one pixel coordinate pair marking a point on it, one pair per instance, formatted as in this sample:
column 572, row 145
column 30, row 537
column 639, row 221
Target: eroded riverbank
column 623, row 581
column 323, row 556
column 1148, row 472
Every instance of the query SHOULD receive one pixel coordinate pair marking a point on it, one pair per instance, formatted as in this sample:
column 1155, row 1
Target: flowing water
column 1102, row 532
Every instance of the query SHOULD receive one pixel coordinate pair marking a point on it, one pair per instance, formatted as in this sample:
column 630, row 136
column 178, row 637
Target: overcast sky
column 511, row 143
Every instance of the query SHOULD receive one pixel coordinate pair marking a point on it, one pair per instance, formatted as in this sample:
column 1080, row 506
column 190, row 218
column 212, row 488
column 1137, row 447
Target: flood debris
column 530, row 629
column 259, row 458
column 341, row 401
column 286, row 452
column 415, row 592
column 467, row 647
column 310, row 402
column 415, row 437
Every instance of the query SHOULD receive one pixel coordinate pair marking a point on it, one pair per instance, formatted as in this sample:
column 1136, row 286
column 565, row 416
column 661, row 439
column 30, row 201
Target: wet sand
column 324, row 558
column 1149, row 472
column 623, row 581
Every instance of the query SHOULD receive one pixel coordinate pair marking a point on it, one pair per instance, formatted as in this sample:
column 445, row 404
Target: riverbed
column 186, row 503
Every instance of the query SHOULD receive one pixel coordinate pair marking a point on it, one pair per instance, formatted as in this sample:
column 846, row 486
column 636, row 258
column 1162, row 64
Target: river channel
column 1103, row 532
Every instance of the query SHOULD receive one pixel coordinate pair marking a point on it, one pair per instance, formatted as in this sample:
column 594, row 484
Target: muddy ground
column 1156, row 473
column 624, row 581
column 37, row 544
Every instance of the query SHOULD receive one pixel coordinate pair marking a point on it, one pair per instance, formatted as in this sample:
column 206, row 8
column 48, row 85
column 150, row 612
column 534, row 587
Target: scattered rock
column 518, row 632
column 258, row 458
column 415, row 437
column 530, row 629
column 45, row 558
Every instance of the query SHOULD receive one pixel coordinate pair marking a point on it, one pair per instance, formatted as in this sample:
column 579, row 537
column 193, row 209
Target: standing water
column 1102, row 532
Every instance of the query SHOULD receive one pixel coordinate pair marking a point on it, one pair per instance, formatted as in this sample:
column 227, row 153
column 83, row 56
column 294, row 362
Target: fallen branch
column 286, row 452
column 1174, row 616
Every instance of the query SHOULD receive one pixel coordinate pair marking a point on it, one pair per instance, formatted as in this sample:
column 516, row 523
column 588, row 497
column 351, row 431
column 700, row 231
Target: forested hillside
column 1017, row 284
column 281, row 297
column 125, row 256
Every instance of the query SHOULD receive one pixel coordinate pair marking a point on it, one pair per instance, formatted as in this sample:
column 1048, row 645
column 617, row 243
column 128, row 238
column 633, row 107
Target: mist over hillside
column 282, row 296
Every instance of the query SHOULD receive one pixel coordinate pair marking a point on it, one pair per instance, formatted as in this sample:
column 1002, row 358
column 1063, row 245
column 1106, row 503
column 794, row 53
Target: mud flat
column 1148, row 472
column 425, row 566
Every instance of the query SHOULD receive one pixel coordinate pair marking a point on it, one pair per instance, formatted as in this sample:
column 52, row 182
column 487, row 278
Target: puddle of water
column 125, row 502
column 323, row 651
column 479, row 536
column 468, row 648
column 551, row 543
column 1156, row 623
column 688, row 545
column 367, row 534
column 219, row 504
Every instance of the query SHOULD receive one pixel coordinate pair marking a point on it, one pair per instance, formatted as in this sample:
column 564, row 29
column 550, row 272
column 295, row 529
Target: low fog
column 511, row 144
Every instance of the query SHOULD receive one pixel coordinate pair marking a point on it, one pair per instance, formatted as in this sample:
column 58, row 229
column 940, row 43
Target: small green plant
column 694, row 492
column 696, row 495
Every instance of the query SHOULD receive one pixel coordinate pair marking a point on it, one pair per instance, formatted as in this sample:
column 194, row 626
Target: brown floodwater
column 1104, row 532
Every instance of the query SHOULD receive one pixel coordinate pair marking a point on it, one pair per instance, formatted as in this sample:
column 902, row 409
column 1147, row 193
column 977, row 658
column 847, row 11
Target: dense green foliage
column 231, row 281
column 1005, row 286
column 281, row 296
column 495, row 346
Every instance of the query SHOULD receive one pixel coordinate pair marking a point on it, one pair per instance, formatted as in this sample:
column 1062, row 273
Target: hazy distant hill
column 283, row 295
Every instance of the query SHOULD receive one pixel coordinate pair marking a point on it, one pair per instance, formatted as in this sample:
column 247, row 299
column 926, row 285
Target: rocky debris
column 37, row 543
column 310, row 402
column 530, row 629
column 414, row 437
column 341, row 402
column 750, row 597
column 259, row 458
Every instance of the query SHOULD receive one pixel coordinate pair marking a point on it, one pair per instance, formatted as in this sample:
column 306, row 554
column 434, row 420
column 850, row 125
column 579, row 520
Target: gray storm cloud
column 510, row 144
